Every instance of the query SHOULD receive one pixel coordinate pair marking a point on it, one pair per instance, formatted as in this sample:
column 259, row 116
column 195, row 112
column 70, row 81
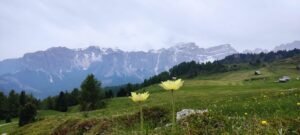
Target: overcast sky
column 31, row 25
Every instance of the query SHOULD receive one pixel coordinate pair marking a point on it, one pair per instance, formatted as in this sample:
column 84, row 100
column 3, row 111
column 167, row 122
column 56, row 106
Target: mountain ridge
column 59, row 68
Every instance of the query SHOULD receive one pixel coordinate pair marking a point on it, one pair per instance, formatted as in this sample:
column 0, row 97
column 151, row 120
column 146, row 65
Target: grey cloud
column 145, row 24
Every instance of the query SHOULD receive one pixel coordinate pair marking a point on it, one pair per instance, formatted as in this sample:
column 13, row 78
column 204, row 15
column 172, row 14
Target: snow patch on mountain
column 50, row 79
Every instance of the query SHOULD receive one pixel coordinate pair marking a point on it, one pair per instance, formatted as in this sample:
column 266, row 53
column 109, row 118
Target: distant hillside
column 230, row 63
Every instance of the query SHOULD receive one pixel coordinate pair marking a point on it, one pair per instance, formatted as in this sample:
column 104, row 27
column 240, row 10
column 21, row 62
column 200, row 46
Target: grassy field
column 237, row 102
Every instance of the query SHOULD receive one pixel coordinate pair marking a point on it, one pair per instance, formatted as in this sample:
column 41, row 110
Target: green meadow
column 237, row 102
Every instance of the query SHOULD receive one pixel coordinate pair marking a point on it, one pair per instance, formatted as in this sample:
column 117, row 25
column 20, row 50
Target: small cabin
column 257, row 72
column 284, row 79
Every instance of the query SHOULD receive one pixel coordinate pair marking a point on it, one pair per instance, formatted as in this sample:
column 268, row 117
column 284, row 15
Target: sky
column 131, row 25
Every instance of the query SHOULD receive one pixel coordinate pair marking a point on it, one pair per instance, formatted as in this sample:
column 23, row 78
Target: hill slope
column 227, row 96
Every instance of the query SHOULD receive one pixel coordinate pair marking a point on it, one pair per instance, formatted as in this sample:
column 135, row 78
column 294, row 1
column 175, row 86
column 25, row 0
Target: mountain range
column 44, row 73
column 287, row 47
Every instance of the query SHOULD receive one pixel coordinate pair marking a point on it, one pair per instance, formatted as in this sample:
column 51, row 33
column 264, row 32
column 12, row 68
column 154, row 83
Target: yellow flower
column 298, row 103
column 246, row 113
column 139, row 97
column 171, row 85
column 264, row 122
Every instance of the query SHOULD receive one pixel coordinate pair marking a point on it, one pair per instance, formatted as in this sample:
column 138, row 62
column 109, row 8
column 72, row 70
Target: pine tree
column 22, row 100
column 109, row 94
column 13, row 104
column 49, row 103
column 122, row 92
column 61, row 102
column 91, row 94
column 3, row 104
column 128, row 89
column 74, row 97
column 27, row 114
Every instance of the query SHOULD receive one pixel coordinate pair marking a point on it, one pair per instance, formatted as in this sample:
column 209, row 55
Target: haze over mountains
column 46, row 72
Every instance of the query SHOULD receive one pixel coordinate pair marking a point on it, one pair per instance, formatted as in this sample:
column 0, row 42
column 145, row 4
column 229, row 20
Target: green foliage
column 188, row 70
column 91, row 93
column 125, row 90
column 257, row 59
column 65, row 100
column 22, row 98
column 163, row 76
column 48, row 103
column 61, row 102
column 3, row 106
column 73, row 98
column 27, row 114
column 13, row 103
column 122, row 92
column 109, row 94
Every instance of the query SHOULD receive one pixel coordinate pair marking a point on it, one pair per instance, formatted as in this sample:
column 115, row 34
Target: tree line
column 20, row 105
column 230, row 63
column 258, row 59
column 89, row 97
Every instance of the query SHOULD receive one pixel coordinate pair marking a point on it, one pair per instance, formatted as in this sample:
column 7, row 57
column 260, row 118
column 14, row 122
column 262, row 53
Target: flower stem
column 141, row 117
column 173, row 112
